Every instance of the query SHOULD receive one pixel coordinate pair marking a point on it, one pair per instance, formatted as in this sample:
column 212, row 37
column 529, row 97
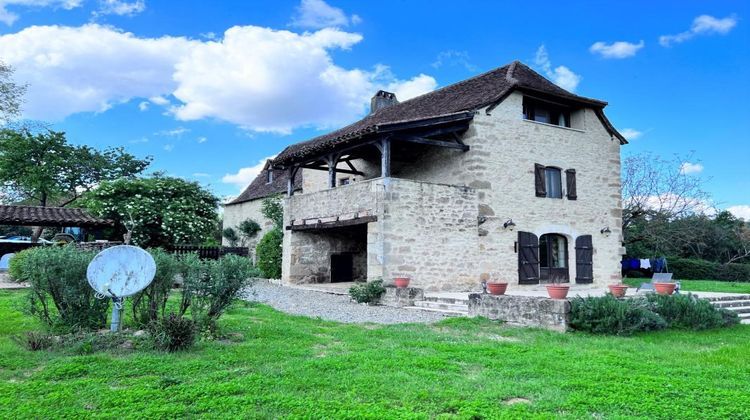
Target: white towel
column 645, row 263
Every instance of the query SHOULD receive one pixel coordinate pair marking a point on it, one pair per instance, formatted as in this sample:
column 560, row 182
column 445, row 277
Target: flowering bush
column 163, row 210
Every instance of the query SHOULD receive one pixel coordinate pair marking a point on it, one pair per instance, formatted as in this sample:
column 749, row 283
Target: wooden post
column 290, row 182
column 385, row 158
column 332, row 161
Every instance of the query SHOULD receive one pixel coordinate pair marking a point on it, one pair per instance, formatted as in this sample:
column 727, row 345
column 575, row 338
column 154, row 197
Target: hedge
column 695, row 269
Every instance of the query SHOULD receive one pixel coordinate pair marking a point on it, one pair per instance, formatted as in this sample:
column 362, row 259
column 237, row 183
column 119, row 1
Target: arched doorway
column 553, row 258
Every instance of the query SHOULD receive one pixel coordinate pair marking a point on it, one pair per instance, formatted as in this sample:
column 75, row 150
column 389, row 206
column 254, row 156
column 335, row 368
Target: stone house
column 504, row 176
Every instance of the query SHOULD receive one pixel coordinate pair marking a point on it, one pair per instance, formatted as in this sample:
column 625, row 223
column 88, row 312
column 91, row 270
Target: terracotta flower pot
column 665, row 288
column 557, row 291
column 618, row 290
column 401, row 282
column 496, row 288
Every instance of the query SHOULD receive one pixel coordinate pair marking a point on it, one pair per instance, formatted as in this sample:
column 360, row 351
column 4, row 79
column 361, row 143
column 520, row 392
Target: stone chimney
column 381, row 100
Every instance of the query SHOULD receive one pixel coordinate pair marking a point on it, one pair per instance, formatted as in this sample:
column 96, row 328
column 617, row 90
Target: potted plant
column 401, row 282
column 557, row 290
column 496, row 287
column 664, row 288
column 618, row 290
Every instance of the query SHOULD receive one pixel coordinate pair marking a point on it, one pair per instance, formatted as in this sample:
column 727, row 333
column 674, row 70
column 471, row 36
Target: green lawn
column 703, row 285
column 288, row 366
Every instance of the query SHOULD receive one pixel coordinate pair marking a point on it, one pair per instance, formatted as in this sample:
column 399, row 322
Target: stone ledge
column 400, row 297
column 527, row 311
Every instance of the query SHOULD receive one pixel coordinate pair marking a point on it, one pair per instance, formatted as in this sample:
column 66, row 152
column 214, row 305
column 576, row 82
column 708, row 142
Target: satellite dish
column 121, row 271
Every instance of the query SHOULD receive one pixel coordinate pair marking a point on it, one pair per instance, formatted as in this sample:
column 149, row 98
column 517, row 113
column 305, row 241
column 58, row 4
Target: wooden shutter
column 539, row 182
column 584, row 259
column 528, row 258
column 570, row 182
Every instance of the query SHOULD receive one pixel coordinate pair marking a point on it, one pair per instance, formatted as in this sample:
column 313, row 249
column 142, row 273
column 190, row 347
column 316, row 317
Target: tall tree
column 44, row 169
column 11, row 94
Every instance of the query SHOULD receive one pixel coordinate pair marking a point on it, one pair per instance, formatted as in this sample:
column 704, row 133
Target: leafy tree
column 43, row 168
column 268, row 253
column 230, row 235
column 273, row 209
column 249, row 229
column 162, row 210
column 11, row 94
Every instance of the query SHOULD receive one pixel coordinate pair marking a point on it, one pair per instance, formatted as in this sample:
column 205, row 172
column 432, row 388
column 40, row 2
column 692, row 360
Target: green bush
column 149, row 304
column 16, row 264
column 695, row 269
column 689, row 312
column 609, row 315
column 268, row 253
column 367, row 292
column 211, row 286
column 173, row 332
column 60, row 295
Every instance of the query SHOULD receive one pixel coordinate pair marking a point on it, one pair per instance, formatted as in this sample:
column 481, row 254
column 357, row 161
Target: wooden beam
column 385, row 158
column 290, row 182
column 430, row 142
column 334, row 224
column 341, row 171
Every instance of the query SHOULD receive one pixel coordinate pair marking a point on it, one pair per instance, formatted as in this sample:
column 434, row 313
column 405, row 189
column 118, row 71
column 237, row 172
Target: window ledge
column 553, row 125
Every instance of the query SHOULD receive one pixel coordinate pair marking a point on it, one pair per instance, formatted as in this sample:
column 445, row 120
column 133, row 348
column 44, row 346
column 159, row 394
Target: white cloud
column 119, row 8
column 688, row 168
column 143, row 106
column 88, row 68
column 454, row 58
column 202, row 139
column 8, row 17
column 631, row 133
column 702, row 25
column 201, row 175
column 257, row 78
column 175, row 132
column 245, row 176
column 560, row 75
column 619, row 49
column 317, row 14
column 140, row 140
column 169, row 147
column 740, row 211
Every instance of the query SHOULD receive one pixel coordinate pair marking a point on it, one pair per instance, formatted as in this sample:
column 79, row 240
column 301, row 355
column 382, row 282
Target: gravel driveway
column 332, row 307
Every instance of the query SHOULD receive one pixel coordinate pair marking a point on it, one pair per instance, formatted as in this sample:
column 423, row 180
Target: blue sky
column 210, row 89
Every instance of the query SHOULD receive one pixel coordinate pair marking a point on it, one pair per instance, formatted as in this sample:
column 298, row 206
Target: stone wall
column 526, row 311
column 234, row 214
column 400, row 297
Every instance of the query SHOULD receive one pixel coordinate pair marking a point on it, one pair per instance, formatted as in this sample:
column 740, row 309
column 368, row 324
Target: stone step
column 440, row 311
column 744, row 315
column 731, row 303
column 745, row 321
column 723, row 298
column 441, row 305
column 447, row 300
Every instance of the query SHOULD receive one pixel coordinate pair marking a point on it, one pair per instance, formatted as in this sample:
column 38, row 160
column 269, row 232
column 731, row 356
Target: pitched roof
column 466, row 96
column 259, row 188
column 49, row 216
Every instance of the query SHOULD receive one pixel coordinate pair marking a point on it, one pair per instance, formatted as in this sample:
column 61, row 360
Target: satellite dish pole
column 119, row 272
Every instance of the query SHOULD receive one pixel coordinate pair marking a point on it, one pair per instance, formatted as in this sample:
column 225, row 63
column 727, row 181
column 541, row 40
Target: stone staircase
column 739, row 304
column 445, row 305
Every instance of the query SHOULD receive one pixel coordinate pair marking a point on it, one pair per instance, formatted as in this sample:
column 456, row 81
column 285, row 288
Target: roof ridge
column 509, row 73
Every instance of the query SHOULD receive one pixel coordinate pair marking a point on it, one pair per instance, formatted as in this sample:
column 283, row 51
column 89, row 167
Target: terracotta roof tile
column 49, row 216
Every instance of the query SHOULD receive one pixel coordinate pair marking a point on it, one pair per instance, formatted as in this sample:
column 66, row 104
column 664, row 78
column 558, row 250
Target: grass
column 289, row 366
column 702, row 285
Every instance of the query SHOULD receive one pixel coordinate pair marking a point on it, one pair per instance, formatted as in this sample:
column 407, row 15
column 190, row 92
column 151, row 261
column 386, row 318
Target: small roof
column 49, row 216
column 260, row 188
column 469, row 95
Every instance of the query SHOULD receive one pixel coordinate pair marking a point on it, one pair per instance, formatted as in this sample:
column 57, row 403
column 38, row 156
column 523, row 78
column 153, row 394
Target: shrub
column 367, row 292
column 268, row 253
column 60, row 294
column 35, row 341
column 173, row 332
column 696, row 269
column 211, row 286
column 609, row 315
column 16, row 264
column 149, row 304
column 689, row 312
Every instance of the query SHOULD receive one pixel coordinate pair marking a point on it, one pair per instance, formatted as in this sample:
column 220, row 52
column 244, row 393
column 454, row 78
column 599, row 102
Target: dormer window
column 546, row 112
column 269, row 176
